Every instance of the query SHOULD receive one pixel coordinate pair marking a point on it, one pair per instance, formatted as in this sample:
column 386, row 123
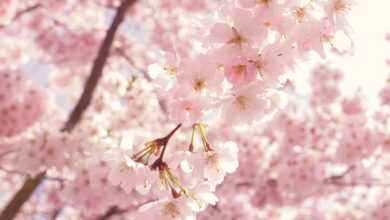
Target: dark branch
column 19, row 14
column 337, row 178
column 22, row 12
column 163, row 142
column 97, row 68
column 21, row 196
column 113, row 210
column 55, row 214
column 29, row 186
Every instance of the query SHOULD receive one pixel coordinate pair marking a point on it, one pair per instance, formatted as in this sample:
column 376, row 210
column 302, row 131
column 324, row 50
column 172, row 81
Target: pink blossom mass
column 184, row 110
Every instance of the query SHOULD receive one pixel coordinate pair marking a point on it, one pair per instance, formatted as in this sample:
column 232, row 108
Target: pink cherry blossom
column 216, row 162
column 245, row 105
column 241, row 71
column 240, row 32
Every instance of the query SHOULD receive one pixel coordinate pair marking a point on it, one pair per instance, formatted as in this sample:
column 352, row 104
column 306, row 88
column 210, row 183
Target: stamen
column 237, row 39
column 300, row 14
column 170, row 210
column 170, row 182
column 212, row 159
column 170, row 70
column 242, row 102
column 340, row 6
column 264, row 2
column 202, row 133
column 144, row 155
column 240, row 68
column 198, row 85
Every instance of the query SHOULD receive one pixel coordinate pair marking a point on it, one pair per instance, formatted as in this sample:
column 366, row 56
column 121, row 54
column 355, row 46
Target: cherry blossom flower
column 213, row 164
column 188, row 110
column 199, row 75
column 241, row 71
column 245, row 105
column 240, row 32
column 336, row 9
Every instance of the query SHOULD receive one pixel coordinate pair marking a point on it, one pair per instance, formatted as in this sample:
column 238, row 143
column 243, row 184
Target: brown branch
column 336, row 178
column 112, row 211
column 22, row 12
column 21, row 196
column 97, row 68
column 115, row 210
column 29, row 186
column 31, row 8
column 56, row 212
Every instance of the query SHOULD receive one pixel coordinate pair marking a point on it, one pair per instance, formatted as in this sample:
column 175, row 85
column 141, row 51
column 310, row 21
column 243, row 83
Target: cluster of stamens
column 198, row 129
column 158, row 146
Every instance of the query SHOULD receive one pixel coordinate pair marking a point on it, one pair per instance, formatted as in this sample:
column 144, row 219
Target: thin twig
column 115, row 210
column 55, row 214
column 336, row 178
column 31, row 8
column 164, row 143
column 23, row 12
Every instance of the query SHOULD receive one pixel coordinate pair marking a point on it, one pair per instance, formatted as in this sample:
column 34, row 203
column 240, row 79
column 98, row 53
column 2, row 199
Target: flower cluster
column 21, row 104
column 307, row 158
column 158, row 144
column 243, row 56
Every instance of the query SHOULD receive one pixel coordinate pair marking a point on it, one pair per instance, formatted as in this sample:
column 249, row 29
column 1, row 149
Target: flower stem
column 164, row 142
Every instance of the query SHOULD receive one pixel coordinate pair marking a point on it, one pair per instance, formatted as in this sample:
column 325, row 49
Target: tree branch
column 113, row 210
column 22, row 12
column 21, row 196
column 97, row 68
column 31, row 8
column 29, row 186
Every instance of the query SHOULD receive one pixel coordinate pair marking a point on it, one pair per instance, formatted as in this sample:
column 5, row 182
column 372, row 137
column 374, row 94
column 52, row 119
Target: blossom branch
column 97, row 68
column 55, row 213
column 31, row 184
column 336, row 178
column 31, row 8
column 113, row 210
column 22, row 196
column 22, row 12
